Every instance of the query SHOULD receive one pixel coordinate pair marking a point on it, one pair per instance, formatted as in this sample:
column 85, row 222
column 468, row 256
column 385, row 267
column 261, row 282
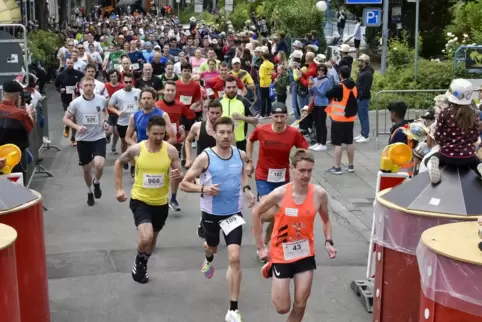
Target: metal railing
column 37, row 144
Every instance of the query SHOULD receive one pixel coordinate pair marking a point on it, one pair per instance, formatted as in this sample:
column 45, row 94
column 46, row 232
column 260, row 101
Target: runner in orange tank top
column 292, row 251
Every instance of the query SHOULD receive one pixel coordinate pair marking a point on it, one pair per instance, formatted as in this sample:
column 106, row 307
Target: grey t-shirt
column 127, row 102
column 91, row 115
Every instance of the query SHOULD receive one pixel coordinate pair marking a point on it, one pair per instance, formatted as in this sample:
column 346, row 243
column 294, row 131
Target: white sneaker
column 362, row 140
column 46, row 140
column 314, row 146
column 233, row 316
column 433, row 170
column 320, row 147
column 357, row 137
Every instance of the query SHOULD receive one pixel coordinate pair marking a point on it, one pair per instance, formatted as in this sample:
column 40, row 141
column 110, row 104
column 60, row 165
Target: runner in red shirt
column 188, row 92
column 275, row 143
column 215, row 86
column 113, row 86
column 176, row 110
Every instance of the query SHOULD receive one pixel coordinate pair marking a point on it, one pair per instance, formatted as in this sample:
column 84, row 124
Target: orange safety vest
column 336, row 110
column 408, row 167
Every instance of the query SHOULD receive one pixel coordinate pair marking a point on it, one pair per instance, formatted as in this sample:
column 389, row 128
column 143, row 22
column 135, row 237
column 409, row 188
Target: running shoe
column 333, row 170
column 66, row 132
column 433, row 170
column 133, row 171
column 113, row 150
column 107, row 139
column 233, row 316
column 207, row 269
column 267, row 270
column 126, row 166
column 97, row 191
column 90, row 199
column 139, row 273
column 174, row 205
column 73, row 142
column 350, row 168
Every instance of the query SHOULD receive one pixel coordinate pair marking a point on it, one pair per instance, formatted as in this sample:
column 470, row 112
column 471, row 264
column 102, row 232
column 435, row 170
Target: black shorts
column 241, row 145
column 88, row 150
column 188, row 124
column 357, row 43
column 210, row 225
column 144, row 213
column 199, row 116
column 289, row 270
column 341, row 133
column 122, row 130
column 112, row 120
column 178, row 148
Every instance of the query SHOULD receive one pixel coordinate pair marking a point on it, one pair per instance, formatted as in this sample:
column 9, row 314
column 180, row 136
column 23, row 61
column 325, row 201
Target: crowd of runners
column 166, row 93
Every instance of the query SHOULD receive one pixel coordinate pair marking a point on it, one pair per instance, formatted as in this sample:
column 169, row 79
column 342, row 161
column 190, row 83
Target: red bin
column 27, row 220
column 9, row 304
column 397, row 278
column 450, row 269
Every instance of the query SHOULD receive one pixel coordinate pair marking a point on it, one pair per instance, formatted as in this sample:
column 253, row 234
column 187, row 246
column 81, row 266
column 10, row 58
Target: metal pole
column 69, row 10
column 417, row 18
column 386, row 7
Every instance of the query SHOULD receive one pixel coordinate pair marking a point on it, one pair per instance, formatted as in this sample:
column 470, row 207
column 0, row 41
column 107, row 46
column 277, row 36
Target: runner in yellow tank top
column 157, row 162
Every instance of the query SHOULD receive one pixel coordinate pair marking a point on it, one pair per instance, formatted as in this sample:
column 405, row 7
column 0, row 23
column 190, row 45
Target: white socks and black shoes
column 434, row 170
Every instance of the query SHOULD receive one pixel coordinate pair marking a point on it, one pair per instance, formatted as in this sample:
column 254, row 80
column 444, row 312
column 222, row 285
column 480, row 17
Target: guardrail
column 37, row 144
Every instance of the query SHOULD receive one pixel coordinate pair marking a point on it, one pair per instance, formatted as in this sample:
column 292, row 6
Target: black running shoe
column 139, row 273
column 133, row 171
column 200, row 231
column 126, row 166
column 90, row 199
column 174, row 205
column 97, row 191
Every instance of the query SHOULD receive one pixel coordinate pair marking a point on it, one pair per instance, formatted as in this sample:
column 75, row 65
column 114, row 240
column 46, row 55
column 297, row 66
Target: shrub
column 43, row 46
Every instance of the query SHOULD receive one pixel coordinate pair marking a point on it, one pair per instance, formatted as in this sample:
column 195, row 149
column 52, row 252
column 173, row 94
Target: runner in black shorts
column 88, row 150
column 210, row 225
column 144, row 213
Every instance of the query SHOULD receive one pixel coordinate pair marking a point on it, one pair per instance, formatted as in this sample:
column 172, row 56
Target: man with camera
column 16, row 121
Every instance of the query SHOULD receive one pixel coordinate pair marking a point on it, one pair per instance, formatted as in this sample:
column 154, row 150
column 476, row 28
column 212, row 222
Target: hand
column 175, row 174
column 330, row 250
column 29, row 108
column 106, row 126
column 251, row 198
column 81, row 129
column 121, row 195
column 211, row 190
column 121, row 113
column 263, row 254
column 249, row 169
column 3, row 162
column 236, row 116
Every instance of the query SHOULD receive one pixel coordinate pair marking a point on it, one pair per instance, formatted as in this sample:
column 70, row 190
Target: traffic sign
column 228, row 5
column 363, row 1
column 372, row 17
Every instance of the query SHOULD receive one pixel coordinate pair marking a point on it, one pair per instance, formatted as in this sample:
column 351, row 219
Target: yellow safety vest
column 231, row 106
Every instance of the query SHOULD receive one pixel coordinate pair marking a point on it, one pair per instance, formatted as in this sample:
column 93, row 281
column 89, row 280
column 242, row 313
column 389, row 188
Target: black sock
column 210, row 259
column 140, row 258
column 233, row 306
column 146, row 257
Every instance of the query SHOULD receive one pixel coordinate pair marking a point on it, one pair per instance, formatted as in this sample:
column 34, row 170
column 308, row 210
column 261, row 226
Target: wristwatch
column 247, row 160
column 330, row 242
column 246, row 187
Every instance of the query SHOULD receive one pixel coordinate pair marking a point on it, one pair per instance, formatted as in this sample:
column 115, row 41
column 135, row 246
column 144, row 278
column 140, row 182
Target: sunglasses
column 127, row 82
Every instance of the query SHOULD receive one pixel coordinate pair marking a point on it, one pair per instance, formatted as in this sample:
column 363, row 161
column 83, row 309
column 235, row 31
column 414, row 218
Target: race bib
column 91, row 119
column 186, row 100
column 135, row 66
column 153, row 181
column 240, row 92
column 233, row 222
column 69, row 89
column 209, row 91
column 130, row 108
column 296, row 250
column 276, row 175
column 176, row 59
column 221, row 93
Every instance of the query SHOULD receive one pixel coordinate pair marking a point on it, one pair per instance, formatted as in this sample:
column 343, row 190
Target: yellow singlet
column 151, row 183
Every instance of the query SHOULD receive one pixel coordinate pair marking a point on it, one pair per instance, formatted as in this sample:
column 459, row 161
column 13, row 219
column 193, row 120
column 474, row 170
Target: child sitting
column 457, row 131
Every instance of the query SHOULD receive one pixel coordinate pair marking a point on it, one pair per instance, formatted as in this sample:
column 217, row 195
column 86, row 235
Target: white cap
column 320, row 59
column 345, row 48
column 364, row 58
column 265, row 49
column 235, row 60
column 297, row 54
column 258, row 49
column 460, row 92
column 297, row 44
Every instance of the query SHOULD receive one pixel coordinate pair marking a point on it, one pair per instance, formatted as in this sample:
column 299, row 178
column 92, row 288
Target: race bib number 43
column 233, row 222
column 152, row 181
column 276, row 175
column 296, row 250
column 91, row 119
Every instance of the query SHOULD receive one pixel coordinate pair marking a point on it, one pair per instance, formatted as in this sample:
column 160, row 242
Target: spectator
column 364, row 86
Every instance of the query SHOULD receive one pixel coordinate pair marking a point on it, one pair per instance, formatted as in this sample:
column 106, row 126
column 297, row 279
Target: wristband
column 202, row 190
column 246, row 187
column 329, row 241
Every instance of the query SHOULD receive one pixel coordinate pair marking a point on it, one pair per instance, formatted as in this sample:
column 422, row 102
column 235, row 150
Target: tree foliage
column 467, row 19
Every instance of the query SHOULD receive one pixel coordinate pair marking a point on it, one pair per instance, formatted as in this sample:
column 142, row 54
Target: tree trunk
column 42, row 14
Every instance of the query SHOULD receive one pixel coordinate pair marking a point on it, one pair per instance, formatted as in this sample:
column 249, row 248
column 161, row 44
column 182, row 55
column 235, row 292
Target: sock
column 96, row 181
column 90, row 188
column 210, row 259
column 173, row 196
column 146, row 257
column 233, row 306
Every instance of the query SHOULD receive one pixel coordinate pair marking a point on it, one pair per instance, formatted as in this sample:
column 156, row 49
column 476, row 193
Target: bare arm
column 170, row 131
column 249, row 149
column 125, row 158
column 112, row 109
column 69, row 120
column 323, row 210
column 131, row 128
column 193, row 134
column 175, row 163
column 188, row 183
column 272, row 199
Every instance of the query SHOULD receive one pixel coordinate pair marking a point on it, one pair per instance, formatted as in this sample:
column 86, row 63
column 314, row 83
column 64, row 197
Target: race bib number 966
column 152, row 181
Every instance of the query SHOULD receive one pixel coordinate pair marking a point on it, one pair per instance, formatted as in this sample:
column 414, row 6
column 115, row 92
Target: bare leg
column 303, row 282
column 234, row 272
column 280, row 294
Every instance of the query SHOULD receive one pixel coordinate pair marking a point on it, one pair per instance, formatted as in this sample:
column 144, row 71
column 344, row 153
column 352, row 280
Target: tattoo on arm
column 129, row 155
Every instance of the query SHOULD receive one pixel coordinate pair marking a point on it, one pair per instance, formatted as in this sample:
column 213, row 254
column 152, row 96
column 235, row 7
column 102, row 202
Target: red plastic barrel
column 450, row 268
column 9, row 303
column 27, row 220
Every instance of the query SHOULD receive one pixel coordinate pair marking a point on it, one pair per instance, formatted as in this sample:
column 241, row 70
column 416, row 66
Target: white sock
column 90, row 188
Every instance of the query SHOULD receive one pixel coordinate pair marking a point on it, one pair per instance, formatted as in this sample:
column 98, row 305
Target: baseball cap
column 236, row 60
column 460, row 92
column 12, row 87
column 279, row 107
column 157, row 47
column 364, row 58
column 345, row 48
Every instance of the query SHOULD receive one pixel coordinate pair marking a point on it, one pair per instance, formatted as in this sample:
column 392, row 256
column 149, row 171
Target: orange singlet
column 292, row 237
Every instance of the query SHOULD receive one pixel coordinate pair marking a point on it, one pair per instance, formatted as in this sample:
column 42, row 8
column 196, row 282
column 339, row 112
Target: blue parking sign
column 372, row 17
